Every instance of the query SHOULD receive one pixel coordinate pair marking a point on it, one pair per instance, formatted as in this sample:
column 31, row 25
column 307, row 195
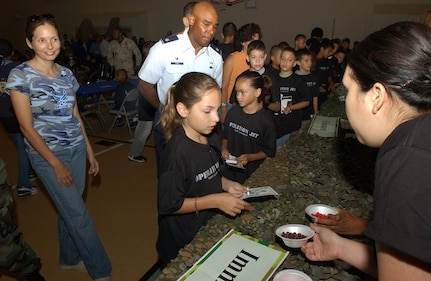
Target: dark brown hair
column 35, row 21
column 399, row 57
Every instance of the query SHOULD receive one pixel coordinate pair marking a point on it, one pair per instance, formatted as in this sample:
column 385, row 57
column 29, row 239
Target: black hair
column 274, row 49
column 229, row 29
column 256, row 45
column 300, row 35
column 301, row 53
column 326, row 43
column 258, row 81
column 336, row 41
column 288, row 49
column 317, row 32
column 284, row 44
column 246, row 33
column 399, row 57
column 123, row 71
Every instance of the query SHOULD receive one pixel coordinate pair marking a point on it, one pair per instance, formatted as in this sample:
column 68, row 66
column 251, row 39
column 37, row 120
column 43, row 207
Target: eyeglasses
column 40, row 17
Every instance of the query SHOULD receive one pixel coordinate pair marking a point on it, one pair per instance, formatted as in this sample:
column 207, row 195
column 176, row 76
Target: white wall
column 280, row 20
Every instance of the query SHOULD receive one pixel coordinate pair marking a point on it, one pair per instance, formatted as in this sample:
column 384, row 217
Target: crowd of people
column 230, row 103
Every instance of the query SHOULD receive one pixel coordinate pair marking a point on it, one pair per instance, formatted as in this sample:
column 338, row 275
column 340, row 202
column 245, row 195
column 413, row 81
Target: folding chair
column 127, row 110
column 84, row 113
column 109, row 102
column 89, row 106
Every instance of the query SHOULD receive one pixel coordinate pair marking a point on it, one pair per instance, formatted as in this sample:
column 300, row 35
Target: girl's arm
column 94, row 164
column 226, row 202
column 274, row 106
column 224, row 151
column 394, row 266
column 21, row 105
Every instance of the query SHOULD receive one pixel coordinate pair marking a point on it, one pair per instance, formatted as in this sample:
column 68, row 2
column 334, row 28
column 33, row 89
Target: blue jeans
column 77, row 235
column 24, row 166
column 282, row 140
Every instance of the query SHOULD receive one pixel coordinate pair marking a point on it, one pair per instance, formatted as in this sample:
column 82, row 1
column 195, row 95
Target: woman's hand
column 63, row 174
column 344, row 223
column 94, row 165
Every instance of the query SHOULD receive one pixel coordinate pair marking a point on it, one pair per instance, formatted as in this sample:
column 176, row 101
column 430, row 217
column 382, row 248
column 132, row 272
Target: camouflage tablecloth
column 307, row 170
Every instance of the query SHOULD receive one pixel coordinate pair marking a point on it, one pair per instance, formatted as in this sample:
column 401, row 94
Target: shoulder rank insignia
column 170, row 38
column 212, row 45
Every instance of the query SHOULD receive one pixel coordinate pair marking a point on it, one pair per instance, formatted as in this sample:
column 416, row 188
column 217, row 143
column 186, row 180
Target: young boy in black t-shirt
column 304, row 62
column 290, row 96
column 324, row 70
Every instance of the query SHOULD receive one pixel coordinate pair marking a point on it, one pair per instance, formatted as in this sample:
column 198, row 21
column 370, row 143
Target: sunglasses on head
column 40, row 17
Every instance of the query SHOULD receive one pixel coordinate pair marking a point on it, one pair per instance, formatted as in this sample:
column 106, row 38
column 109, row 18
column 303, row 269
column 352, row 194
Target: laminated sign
column 237, row 257
column 324, row 126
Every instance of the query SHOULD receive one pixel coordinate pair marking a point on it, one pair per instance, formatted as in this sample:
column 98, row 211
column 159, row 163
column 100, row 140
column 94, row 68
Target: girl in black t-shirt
column 191, row 187
column 249, row 132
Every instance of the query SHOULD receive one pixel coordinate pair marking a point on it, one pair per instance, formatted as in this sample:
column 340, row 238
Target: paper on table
column 231, row 161
column 324, row 126
column 259, row 192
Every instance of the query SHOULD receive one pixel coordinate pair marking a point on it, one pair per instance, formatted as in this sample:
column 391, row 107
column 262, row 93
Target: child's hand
column 287, row 109
column 324, row 246
column 236, row 189
column 230, row 204
column 242, row 159
column 225, row 153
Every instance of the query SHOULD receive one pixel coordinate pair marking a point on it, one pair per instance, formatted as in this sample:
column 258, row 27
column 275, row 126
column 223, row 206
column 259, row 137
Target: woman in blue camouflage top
column 43, row 96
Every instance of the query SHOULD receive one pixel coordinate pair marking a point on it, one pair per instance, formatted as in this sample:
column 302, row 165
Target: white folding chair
column 128, row 109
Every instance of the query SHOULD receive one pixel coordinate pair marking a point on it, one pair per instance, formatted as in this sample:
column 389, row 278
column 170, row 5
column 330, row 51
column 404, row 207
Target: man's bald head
column 203, row 24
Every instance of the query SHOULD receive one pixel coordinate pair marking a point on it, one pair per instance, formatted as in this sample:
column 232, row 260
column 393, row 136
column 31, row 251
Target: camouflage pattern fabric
column 16, row 256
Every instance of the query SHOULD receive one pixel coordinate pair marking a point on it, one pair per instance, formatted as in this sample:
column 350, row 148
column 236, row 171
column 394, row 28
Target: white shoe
column 80, row 266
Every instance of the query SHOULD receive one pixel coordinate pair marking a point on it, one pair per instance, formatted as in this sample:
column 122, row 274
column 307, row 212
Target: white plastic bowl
column 295, row 228
column 320, row 208
column 291, row 275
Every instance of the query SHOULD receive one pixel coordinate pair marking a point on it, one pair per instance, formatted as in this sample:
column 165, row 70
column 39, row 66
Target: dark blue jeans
column 24, row 166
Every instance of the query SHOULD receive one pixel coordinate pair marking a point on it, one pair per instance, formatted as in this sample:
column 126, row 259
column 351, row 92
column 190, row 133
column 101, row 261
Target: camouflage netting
column 307, row 170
